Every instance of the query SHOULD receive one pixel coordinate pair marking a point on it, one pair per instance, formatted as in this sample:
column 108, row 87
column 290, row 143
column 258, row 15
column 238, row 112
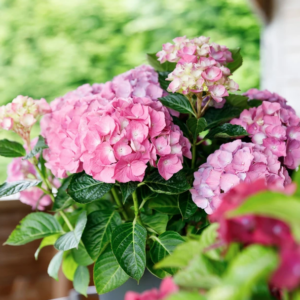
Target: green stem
column 136, row 208
column 66, row 220
column 119, row 203
column 48, row 185
column 193, row 154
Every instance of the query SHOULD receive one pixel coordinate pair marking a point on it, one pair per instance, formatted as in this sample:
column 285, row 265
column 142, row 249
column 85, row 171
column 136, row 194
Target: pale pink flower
column 169, row 165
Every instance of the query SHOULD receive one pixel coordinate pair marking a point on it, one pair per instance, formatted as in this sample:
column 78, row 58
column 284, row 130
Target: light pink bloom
column 169, row 165
column 218, row 92
column 212, row 74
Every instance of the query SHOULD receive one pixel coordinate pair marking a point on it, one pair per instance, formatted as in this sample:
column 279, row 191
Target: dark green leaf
column 128, row 245
column 239, row 101
column 274, row 205
column 54, row 265
column 38, row 148
column 156, row 272
column 216, row 116
column 226, row 131
column 62, row 199
column 166, row 66
column 255, row 103
column 69, row 266
column 237, row 60
column 33, row 227
column 165, row 204
column 162, row 76
column 127, row 189
column 186, row 205
column 196, row 126
column 108, row 274
column 176, row 224
column 145, row 193
column 81, row 256
column 98, row 230
column 81, row 280
column 46, row 241
column 99, row 205
column 156, row 222
column 10, row 188
column 177, row 102
column 175, row 185
column 11, row 149
column 164, row 245
column 181, row 125
column 84, row 188
column 71, row 239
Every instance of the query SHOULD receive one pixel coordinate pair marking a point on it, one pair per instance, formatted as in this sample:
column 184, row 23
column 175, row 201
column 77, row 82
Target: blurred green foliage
column 50, row 47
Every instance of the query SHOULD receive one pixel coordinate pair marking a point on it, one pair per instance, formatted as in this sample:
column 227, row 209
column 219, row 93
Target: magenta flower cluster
column 201, row 67
column 112, row 130
column 233, row 163
column 274, row 125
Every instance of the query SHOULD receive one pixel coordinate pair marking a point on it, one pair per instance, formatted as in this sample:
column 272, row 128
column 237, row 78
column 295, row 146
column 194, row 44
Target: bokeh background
column 50, row 47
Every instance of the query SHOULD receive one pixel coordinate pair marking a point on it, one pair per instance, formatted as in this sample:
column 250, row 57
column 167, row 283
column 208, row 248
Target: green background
column 52, row 46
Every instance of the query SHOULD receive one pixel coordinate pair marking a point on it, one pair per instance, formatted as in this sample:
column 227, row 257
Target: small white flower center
column 128, row 165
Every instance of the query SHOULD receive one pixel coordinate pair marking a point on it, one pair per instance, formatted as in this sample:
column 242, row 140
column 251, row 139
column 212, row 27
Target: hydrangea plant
column 159, row 169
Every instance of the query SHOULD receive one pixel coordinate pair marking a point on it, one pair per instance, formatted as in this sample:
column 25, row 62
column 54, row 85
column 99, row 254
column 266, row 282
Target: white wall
column 280, row 52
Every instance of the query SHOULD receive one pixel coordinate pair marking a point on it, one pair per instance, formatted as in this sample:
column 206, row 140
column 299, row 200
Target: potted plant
column 142, row 161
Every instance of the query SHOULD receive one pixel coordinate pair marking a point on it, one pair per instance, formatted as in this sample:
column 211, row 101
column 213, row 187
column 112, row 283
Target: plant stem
column 205, row 107
column 136, row 207
column 199, row 104
column 119, row 203
column 66, row 220
column 193, row 154
column 192, row 104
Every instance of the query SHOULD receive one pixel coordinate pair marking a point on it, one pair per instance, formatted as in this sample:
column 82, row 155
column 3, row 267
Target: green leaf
column 129, row 247
column 98, row 230
column 47, row 241
column 166, row 66
column 254, row 264
column 11, row 149
column 156, row 222
column 181, row 256
column 178, row 102
column 255, row 103
column 165, row 204
column 81, row 256
column 127, row 189
column 69, row 266
column 145, row 193
column 208, row 238
column 226, row 131
column 239, row 101
column 62, row 199
column 216, row 116
column 181, row 125
column 38, row 148
column 84, row 188
column 200, row 274
column 54, row 265
column 71, row 239
column 296, row 179
column 33, row 227
column 186, row 205
column 156, row 272
column 237, row 60
column 175, row 185
column 274, row 205
column 99, row 205
column 162, row 76
column 182, row 295
column 10, row 188
column 81, row 280
column 108, row 274
column 196, row 126
column 164, row 245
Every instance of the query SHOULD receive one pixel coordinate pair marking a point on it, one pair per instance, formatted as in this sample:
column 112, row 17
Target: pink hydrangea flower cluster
column 201, row 66
column 233, row 163
column 20, row 115
column 112, row 137
column 167, row 288
column 274, row 125
column 20, row 169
